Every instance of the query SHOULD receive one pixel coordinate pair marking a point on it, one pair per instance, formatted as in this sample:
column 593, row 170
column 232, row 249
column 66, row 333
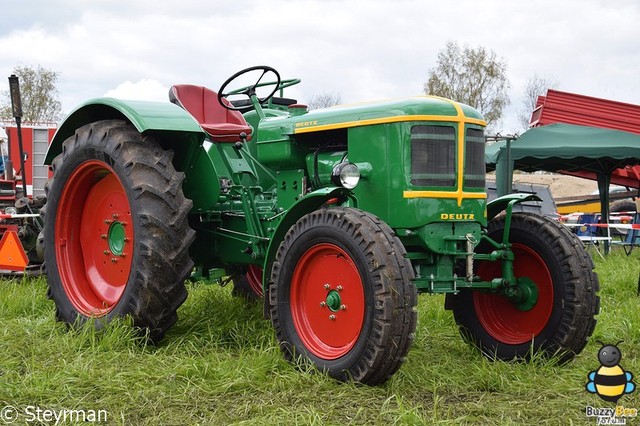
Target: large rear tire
column 116, row 233
column 563, row 317
column 341, row 295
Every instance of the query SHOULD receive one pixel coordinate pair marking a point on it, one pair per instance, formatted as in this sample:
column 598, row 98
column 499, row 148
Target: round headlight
column 346, row 175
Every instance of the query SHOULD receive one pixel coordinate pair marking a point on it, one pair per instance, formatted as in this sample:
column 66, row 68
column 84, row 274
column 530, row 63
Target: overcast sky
column 362, row 50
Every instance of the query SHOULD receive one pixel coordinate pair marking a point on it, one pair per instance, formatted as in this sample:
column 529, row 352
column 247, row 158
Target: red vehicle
column 22, row 196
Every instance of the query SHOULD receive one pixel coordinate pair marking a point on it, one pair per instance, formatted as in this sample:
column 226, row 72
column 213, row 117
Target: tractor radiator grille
column 433, row 156
column 474, row 167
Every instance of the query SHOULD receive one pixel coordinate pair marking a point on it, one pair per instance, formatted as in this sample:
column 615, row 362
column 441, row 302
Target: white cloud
column 144, row 90
column 360, row 49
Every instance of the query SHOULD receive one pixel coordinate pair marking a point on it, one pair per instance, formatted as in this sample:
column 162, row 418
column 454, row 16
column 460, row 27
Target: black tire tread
column 163, row 238
column 581, row 302
column 395, row 296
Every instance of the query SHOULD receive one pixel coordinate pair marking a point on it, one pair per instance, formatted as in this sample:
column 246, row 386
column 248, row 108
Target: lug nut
column 339, row 288
column 332, row 317
column 343, row 307
column 323, row 304
column 327, row 286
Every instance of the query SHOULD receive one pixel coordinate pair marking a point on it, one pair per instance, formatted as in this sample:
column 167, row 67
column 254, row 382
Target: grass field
column 221, row 364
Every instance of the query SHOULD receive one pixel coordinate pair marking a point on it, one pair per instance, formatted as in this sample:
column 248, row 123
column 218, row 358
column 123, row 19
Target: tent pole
column 603, row 188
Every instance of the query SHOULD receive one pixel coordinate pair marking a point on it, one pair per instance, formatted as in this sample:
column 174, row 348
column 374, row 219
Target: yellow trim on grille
column 395, row 119
column 461, row 153
column 457, row 195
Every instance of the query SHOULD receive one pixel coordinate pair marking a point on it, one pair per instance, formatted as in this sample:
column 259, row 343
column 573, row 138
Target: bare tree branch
column 324, row 100
column 536, row 86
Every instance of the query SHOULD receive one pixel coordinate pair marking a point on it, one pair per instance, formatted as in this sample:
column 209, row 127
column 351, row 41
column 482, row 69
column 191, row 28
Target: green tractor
column 336, row 218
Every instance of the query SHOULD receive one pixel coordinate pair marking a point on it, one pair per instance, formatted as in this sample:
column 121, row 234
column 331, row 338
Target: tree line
column 39, row 94
column 474, row 76
column 477, row 77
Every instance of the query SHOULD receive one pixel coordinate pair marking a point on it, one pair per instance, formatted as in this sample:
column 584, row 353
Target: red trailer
column 572, row 108
column 20, row 225
column 35, row 140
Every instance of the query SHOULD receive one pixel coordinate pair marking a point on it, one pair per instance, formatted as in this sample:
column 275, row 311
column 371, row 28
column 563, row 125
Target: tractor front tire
column 341, row 295
column 563, row 317
column 116, row 233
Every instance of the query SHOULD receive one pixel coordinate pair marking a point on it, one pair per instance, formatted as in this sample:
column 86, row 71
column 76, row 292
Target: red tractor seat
column 222, row 124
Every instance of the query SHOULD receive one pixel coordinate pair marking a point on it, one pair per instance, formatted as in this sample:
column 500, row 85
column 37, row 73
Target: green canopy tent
column 566, row 147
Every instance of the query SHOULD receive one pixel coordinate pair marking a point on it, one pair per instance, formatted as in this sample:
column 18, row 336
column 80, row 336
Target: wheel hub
column 524, row 295
column 95, row 238
column 327, row 301
column 519, row 311
column 333, row 300
column 116, row 238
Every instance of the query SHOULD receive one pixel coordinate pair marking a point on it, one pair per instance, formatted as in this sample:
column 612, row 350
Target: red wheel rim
column 94, row 238
column 500, row 318
column 327, row 301
column 254, row 278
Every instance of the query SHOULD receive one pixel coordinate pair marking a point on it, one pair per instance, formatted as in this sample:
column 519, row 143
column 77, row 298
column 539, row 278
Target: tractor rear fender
column 499, row 204
column 308, row 203
column 170, row 123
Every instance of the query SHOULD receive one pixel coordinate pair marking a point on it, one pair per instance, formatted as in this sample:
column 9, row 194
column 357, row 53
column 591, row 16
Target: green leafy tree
column 472, row 76
column 536, row 86
column 40, row 98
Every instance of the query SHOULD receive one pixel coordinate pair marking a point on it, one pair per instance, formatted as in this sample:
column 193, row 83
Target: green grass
column 221, row 364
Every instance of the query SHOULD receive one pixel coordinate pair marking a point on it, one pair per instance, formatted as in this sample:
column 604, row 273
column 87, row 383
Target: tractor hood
column 417, row 108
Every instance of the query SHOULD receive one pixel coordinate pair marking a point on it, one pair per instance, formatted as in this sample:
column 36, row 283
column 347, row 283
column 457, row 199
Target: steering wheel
column 250, row 90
